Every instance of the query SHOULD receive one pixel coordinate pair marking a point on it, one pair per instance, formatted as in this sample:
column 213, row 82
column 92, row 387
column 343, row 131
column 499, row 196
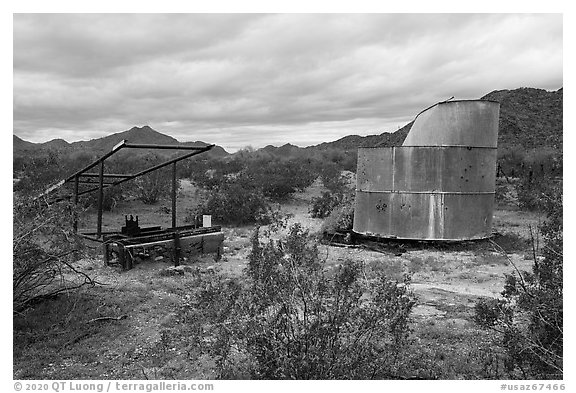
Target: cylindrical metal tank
column 439, row 185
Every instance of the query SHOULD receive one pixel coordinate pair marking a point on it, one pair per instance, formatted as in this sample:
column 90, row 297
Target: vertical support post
column 219, row 252
column 106, row 250
column 100, row 199
column 76, row 204
column 174, row 195
column 129, row 261
column 122, row 256
column 176, row 249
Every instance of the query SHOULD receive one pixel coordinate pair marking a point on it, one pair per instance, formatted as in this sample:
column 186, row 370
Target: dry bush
column 529, row 317
column 294, row 319
column 44, row 249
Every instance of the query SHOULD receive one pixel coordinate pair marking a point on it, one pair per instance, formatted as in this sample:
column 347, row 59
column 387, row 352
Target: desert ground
column 130, row 327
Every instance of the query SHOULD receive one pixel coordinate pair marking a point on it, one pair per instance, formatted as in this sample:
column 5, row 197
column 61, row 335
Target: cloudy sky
column 259, row 79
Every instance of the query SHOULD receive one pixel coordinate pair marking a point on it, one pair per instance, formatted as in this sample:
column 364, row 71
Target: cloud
column 240, row 79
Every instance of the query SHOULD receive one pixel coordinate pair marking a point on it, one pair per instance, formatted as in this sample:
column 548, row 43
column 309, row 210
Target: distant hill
column 216, row 151
column 56, row 144
column 22, row 145
column 143, row 135
column 287, row 150
column 386, row 139
column 530, row 118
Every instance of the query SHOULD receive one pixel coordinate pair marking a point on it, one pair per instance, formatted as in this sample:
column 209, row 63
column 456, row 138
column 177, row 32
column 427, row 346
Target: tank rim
column 453, row 101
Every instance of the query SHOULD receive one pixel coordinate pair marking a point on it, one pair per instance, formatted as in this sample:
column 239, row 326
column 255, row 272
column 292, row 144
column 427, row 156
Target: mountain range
column 142, row 135
column 529, row 118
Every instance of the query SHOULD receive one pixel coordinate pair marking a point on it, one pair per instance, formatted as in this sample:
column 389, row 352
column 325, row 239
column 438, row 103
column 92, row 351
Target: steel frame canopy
column 105, row 180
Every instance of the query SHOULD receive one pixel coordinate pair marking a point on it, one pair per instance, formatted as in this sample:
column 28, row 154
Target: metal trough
column 440, row 184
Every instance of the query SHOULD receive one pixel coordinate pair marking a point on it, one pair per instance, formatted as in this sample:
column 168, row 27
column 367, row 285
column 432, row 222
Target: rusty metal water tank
column 440, row 184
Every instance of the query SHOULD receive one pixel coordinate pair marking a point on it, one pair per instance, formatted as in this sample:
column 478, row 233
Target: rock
column 159, row 258
column 173, row 271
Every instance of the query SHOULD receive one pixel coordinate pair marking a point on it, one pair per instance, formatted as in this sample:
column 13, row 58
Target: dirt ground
column 70, row 342
column 438, row 276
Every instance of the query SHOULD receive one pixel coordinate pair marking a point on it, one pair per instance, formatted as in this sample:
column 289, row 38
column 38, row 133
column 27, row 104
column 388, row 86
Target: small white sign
column 206, row 221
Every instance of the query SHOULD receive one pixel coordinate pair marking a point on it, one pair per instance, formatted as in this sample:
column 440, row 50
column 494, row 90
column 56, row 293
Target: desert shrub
column 323, row 205
column 332, row 178
column 239, row 191
column 192, row 214
column 511, row 242
column 36, row 173
column 511, row 161
column 111, row 197
column 530, row 173
column 529, row 316
column 153, row 186
column 337, row 204
column 279, row 179
column 210, row 174
column 343, row 160
column 341, row 219
column 44, row 248
column 505, row 194
column 516, row 161
column 234, row 203
column 293, row 319
column 533, row 190
column 538, row 175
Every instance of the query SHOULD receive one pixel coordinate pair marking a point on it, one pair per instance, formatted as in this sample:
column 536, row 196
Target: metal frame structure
column 105, row 180
column 125, row 243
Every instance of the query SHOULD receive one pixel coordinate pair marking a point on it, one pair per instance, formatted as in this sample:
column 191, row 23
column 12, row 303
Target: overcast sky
column 242, row 79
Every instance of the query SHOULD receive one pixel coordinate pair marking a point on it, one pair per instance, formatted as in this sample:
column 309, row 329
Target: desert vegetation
column 292, row 297
column 284, row 304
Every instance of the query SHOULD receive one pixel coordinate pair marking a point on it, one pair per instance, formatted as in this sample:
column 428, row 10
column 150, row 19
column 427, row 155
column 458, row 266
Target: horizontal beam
column 93, row 182
column 105, row 175
column 162, row 147
column 168, row 234
column 88, row 237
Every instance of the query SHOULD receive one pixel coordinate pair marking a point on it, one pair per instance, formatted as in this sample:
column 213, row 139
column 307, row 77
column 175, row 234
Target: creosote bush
column 529, row 316
column 332, row 178
column 240, row 191
column 44, row 249
column 341, row 219
column 111, row 197
column 296, row 319
column 323, row 205
column 279, row 179
column 235, row 204
column 153, row 186
column 533, row 190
